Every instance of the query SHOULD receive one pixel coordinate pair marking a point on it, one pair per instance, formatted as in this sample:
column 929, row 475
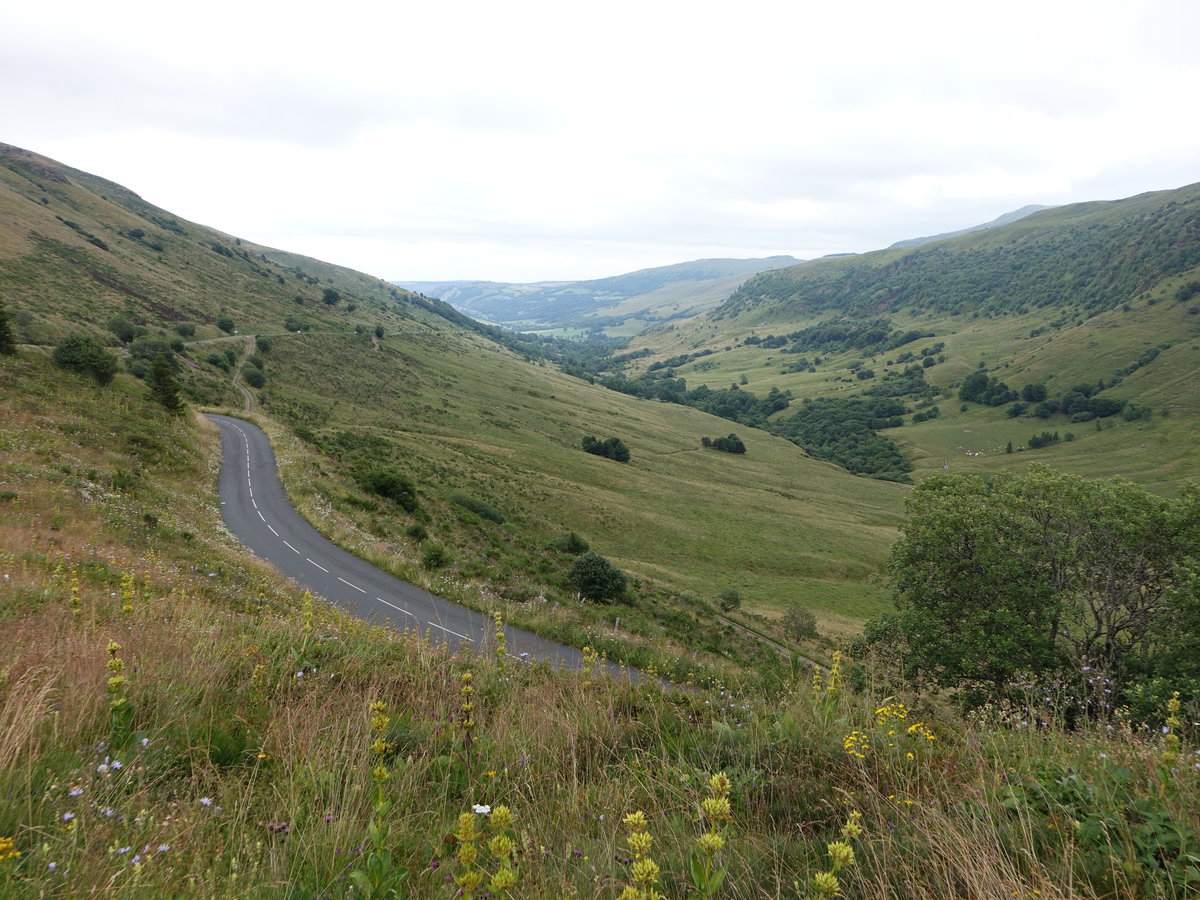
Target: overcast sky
column 527, row 140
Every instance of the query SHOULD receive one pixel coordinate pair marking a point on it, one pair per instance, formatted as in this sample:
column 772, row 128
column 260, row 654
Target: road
column 258, row 512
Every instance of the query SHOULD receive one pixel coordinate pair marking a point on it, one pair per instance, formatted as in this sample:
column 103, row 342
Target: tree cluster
column 610, row 448
column 730, row 444
column 1031, row 579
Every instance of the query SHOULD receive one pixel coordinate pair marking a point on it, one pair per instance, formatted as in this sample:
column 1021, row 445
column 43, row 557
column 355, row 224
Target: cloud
column 547, row 140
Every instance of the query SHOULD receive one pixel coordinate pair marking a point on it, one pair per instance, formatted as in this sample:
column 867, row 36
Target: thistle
column 466, row 709
column 841, row 856
column 477, row 852
column 590, row 657
column 127, row 592
column 1170, row 754
column 501, row 647
column 376, row 877
column 707, row 876
column 644, row 872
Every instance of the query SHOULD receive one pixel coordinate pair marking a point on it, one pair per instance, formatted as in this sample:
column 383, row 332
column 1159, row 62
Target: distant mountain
column 627, row 301
column 1006, row 219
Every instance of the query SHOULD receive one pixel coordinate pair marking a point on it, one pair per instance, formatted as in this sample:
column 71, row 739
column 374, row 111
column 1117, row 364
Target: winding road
column 258, row 512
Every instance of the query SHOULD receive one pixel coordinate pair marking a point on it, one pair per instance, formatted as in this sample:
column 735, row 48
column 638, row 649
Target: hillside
column 177, row 720
column 374, row 377
column 618, row 305
column 1098, row 298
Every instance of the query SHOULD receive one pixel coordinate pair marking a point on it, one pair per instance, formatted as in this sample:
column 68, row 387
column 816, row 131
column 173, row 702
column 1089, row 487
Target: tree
column 596, row 578
column 331, row 296
column 163, row 386
column 730, row 599
column 1037, row 576
column 799, row 623
column 8, row 341
column 82, row 354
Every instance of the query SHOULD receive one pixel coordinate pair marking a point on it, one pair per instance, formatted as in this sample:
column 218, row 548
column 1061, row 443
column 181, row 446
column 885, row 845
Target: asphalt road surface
column 258, row 512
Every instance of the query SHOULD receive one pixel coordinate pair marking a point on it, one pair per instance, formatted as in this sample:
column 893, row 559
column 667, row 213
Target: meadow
column 178, row 720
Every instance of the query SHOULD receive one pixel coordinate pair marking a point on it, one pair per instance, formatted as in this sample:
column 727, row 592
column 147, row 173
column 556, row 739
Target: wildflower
column 206, row 801
column 163, row 848
column 501, row 817
column 75, row 792
column 841, row 853
column 481, row 809
column 7, row 849
column 825, row 884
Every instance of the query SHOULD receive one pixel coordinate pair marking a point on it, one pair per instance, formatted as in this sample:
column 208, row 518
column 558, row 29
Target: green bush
column 254, row 377
column 730, row 599
column 389, row 484
column 226, row 324
column 570, row 542
column 80, row 353
column 610, row 448
column 481, row 508
column 435, row 556
column 597, row 579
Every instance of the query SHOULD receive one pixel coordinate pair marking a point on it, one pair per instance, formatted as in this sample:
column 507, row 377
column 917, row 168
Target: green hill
column 177, row 720
column 440, row 401
column 1098, row 295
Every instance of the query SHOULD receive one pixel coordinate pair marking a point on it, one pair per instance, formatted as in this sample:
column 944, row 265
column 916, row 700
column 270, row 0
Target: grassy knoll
column 179, row 722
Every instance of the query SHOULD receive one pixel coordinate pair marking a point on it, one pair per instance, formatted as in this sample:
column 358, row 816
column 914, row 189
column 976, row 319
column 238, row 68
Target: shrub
column 596, row 578
column 254, row 377
column 80, row 353
column 389, row 484
column 8, row 341
column 417, row 532
column 481, row 508
column 226, row 324
column 435, row 556
column 262, row 344
column 570, row 542
column 610, row 448
column 185, row 329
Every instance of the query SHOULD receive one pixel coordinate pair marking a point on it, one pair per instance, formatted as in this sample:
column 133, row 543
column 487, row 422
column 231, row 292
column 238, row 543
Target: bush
column 610, row 448
column 479, row 507
column 730, row 599
column 263, row 344
column 80, row 353
column 389, row 484
column 226, row 324
column 435, row 556
column 254, row 377
column 597, row 579
column 417, row 532
column 730, row 444
column 185, row 329
column 799, row 623
column 570, row 542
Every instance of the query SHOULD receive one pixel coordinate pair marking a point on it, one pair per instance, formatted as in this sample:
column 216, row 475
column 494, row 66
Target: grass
column 240, row 759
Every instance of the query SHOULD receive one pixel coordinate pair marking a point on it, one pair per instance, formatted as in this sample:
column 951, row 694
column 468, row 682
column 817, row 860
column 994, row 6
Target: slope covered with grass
column 177, row 721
